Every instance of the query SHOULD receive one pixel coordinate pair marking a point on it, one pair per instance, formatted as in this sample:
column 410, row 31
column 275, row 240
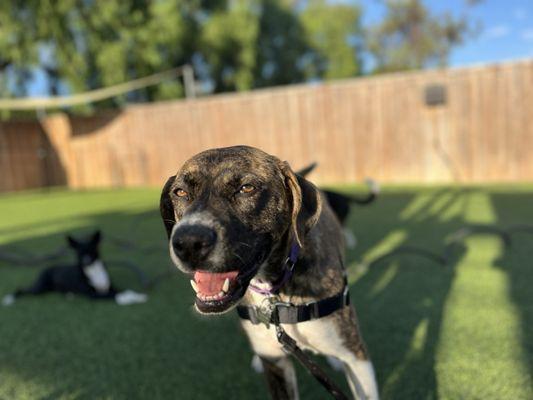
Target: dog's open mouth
column 217, row 292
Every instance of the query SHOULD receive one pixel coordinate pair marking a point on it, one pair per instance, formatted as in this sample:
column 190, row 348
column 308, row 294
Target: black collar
column 277, row 312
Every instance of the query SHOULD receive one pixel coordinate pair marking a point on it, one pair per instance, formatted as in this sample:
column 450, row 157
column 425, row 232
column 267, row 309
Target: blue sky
column 506, row 31
column 506, row 28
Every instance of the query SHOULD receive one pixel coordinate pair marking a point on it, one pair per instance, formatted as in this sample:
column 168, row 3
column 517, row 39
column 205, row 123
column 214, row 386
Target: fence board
column 379, row 127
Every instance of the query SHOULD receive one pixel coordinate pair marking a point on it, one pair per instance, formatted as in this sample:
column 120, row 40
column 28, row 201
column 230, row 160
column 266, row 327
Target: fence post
column 188, row 81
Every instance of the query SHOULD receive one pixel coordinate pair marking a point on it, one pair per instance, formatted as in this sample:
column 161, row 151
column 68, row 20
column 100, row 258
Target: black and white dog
column 88, row 277
column 341, row 204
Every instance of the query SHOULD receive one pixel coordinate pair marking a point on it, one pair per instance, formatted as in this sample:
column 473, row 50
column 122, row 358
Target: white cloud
column 527, row 34
column 496, row 32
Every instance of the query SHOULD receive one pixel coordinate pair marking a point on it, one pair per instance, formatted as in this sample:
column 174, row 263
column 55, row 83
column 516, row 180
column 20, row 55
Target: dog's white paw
column 128, row 297
column 373, row 185
column 335, row 363
column 257, row 365
column 8, row 300
column 351, row 240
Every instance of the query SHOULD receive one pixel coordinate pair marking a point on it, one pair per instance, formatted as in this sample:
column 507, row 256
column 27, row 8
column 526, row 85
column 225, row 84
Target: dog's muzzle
column 192, row 244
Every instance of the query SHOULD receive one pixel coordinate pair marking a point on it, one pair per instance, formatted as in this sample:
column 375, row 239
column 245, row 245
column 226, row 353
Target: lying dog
column 238, row 220
column 88, row 277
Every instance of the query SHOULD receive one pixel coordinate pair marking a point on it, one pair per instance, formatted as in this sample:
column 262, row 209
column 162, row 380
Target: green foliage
column 282, row 44
column 89, row 44
column 228, row 43
column 234, row 45
column 410, row 37
column 334, row 31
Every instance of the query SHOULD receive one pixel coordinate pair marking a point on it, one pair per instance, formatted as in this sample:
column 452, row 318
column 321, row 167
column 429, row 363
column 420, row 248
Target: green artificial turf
column 462, row 331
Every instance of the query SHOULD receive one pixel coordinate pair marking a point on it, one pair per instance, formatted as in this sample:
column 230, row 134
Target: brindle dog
column 231, row 215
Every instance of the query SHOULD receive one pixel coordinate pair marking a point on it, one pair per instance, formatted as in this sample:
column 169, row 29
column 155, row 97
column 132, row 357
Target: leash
column 274, row 311
column 291, row 347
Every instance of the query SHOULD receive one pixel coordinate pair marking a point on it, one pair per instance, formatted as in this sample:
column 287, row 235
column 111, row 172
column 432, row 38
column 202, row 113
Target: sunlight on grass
column 477, row 308
column 453, row 210
column 384, row 280
column 413, row 354
column 461, row 331
column 479, row 209
column 391, row 241
column 420, row 202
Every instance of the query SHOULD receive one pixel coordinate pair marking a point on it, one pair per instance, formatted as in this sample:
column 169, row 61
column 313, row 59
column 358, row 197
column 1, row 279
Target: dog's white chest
column 98, row 276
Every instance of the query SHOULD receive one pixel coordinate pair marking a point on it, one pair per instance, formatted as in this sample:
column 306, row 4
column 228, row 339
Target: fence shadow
column 400, row 300
column 515, row 210
column 55, row 347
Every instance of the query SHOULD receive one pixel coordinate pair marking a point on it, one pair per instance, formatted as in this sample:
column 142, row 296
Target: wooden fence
column 380, row 127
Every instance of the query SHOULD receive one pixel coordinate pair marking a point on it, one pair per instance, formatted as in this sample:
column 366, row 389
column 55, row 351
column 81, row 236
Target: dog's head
column 87, row 249
column 225, row 212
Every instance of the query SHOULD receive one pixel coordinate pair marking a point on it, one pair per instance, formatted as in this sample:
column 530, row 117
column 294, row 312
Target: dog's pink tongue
column 210, row 283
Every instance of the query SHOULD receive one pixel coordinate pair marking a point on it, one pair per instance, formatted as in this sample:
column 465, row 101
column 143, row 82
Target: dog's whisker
column 239, row 257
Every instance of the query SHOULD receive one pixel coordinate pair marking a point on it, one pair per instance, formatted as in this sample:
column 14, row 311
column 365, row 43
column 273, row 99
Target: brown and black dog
column 232, row 215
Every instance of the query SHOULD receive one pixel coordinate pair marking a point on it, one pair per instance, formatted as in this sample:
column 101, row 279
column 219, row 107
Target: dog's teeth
column 194, row 286
column 225, row 288
column 220, row 295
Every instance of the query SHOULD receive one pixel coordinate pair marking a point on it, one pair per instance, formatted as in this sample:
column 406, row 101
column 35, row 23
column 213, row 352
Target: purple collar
column 288, row 267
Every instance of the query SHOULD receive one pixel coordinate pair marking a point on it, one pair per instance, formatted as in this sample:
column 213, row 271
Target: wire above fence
column 36, row 103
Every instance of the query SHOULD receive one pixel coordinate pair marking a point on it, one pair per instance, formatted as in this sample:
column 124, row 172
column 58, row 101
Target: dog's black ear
column 166, row 207
column 72, row 242
column 305, row 200
column 97, row 236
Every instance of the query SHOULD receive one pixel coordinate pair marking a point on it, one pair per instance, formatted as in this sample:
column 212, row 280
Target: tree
column 233, row 44
column 334, row 31
column 228, row 45
column 282, row 45
column 411, row 37
column 88, row 44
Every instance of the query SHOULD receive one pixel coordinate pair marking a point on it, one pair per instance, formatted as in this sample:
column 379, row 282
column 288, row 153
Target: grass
column 463, row 331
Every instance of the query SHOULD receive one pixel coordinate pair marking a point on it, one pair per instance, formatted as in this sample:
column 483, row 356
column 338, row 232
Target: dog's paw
column 257, row 365
column 128, row 297
column 373, row 185
column 8, row 300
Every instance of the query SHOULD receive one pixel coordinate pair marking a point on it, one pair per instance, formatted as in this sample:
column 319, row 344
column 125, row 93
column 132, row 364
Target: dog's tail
column 374, row 190
column 306, row 170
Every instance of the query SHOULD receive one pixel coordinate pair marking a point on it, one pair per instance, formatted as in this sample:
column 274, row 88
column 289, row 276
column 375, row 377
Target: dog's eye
column 181, row 193
column 246, row 189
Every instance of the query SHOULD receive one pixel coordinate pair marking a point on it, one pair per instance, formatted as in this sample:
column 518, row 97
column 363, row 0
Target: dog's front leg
column 281, row 378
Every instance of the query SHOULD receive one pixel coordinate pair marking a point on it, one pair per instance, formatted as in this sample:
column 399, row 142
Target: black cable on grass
column 520, row 229
column 15, row 256
column 27, row 259
column 455, row 239
column 444, row 258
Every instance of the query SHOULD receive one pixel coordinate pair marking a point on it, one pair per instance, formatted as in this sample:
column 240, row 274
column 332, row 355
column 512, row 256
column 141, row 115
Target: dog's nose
column 193, row 243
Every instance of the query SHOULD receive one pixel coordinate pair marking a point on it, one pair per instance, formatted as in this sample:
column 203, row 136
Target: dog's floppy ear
column 305, row 201
column 165, row 206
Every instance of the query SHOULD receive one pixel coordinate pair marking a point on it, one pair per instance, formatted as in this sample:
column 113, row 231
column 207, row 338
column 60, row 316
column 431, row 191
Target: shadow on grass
column 516, row 262
column 57, row 347
column 400, row 300
column 52, row 347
